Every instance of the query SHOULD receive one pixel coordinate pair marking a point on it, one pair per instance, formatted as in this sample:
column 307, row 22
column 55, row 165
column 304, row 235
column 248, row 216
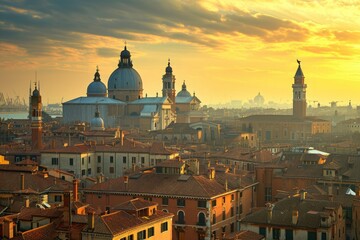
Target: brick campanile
column 36, row 119
column 299, row 94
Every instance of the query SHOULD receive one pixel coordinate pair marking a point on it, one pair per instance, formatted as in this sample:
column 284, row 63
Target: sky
column 224, row 50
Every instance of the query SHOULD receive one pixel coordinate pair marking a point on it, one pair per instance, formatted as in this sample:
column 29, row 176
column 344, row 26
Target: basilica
column 122, row 104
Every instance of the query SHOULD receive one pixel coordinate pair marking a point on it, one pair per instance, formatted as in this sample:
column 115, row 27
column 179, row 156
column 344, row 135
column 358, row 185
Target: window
column 142, row 160
column 99, row 159
column 124, row 238
column 151, row 232
column 323, row 236
column 181, row 202
column 111, row 169
column 213, row 203
column 214, row 218
column 83, row 172
column 89, row 159
column 289, row 234
column 201, row 219
column 201, row 204
column 164, row 227
column 232, row 197
column 58, row 198
column 111, row 159
column 165, row 201
column 311, row 236
column 89, row 171
column 141, row 235
column 223, row 214
column 232, row 211
column 133, row 160
column 181, row 217
column 71, row 161
column 124, row 159
column 276, row 233
column 232, row 227
column 54, row 161
column 268, row 194
column 262, row 231
column 98, row 170
column 223, row 199
column 82, row 161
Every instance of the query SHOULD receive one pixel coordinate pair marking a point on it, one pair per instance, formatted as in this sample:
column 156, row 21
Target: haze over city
column 225, row 50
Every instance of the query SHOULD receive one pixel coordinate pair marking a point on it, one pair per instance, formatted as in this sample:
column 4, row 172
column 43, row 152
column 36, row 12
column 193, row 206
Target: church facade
column 122, row 104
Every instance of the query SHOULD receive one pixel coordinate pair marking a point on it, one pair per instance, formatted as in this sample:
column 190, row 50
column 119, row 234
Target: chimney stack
column 211, row 173
column 121, row 138
column 8, row 229
column 302, row 195
column 22, row 181
column 91, row 221
column 126, row 182
column 269, row 208
column 295, row 217
column 75, row 190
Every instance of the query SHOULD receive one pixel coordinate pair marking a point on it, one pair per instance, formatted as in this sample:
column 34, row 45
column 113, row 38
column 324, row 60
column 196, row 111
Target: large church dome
column 125, row 82
column 96, row 88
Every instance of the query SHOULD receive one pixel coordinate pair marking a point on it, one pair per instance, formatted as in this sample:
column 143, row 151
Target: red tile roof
column 163, row 184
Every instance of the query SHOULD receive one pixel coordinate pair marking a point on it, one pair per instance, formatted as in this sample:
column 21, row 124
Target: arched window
column 181, row 217
column 201, row 219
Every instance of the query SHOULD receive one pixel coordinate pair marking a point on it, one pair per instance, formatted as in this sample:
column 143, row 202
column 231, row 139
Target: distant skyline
column 224, row 50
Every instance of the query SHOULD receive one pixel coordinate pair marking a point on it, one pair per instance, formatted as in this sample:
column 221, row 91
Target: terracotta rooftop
column 120, row 221
column 11, row 182
column 44, row 232
column 191, row 186
column 135, row 205
column 309, row 212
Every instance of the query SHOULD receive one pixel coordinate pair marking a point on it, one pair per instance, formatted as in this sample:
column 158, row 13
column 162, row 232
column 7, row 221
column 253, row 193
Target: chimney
column 211, row 173
column 22, row 182
column 269, row 209
column 121, row 138
column 8, row 229
column 27, row 202
column 126, row 182
column 91, row 221
column 295, row 217
column 302, row 195
column 75, row 190
column 330, row 190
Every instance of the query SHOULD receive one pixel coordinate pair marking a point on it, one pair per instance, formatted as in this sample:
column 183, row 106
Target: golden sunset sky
column 224, row 50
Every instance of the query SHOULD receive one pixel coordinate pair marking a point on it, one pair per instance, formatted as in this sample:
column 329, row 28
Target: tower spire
column 299, row 93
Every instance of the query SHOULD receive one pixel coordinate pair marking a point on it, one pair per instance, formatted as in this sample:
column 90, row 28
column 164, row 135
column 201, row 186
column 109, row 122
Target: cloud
column 36, row 26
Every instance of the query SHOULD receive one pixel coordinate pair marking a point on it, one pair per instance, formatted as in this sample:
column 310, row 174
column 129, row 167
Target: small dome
column 184, row 92
column 125, row 53
column 97, row 123
column 96, row 88
column 168, row 69
column 258, row 99
column 36, row 93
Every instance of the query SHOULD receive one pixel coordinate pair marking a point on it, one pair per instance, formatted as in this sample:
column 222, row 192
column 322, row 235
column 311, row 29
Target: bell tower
column 36, row 118
column 169, row 83
column 299, row 94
